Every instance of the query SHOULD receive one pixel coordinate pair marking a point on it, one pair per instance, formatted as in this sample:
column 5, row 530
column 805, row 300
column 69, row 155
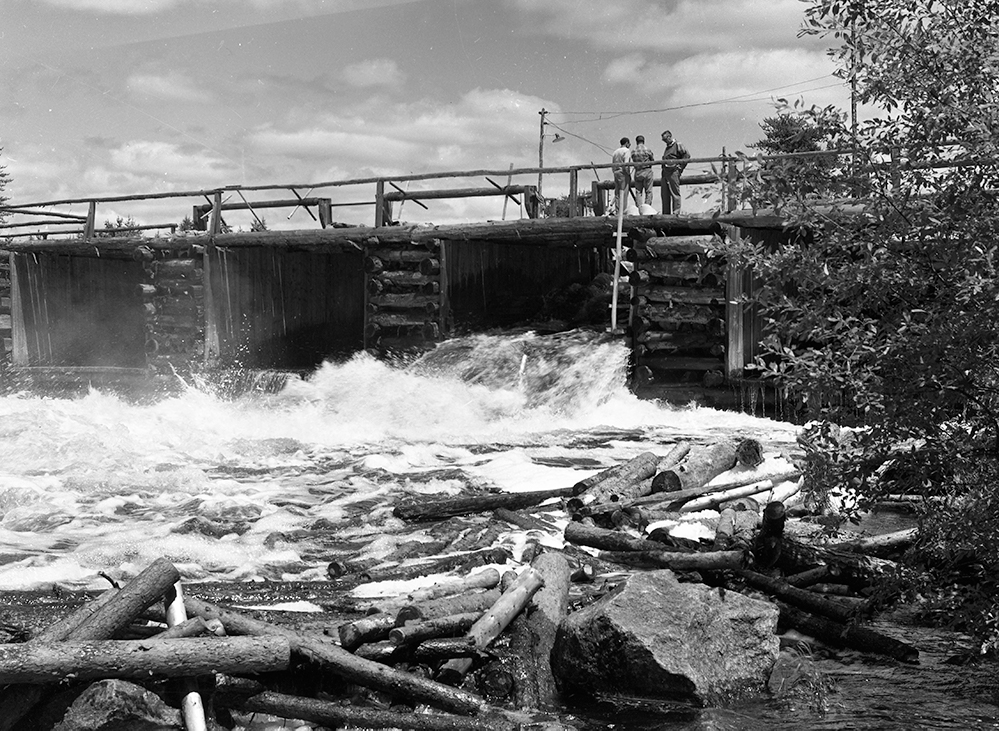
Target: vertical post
column 216, row 225
column 383, row 208
column 90, row 225
column 18, row 321
column 618, row 255
column 325, row 212
column 735, row 351
column 541, row 148
column 573, row 192
column 598, row 198
column 531, row 201
column 730, row 177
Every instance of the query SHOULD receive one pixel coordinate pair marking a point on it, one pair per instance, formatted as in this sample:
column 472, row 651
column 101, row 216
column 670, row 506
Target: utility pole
column 541, row 147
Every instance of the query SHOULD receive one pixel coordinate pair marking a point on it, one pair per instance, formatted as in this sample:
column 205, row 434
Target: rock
column 656, row 637
column 117, row 705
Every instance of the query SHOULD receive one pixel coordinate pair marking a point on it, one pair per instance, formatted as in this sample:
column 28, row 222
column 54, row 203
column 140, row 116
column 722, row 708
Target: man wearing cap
column 677, row 155
column 643, row 173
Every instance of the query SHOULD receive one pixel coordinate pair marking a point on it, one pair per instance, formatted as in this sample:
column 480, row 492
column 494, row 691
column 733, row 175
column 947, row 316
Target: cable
column 738, row 98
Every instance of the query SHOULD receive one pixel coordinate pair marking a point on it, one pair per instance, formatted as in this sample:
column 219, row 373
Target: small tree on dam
column 883, row 311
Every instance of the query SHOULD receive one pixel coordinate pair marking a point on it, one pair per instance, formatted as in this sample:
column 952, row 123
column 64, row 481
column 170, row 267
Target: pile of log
column 222, row 660
column 610, row 526
column 678, row 307
column 173, row 299
column 406, row 303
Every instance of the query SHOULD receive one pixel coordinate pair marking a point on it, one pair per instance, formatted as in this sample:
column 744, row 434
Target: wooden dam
column 116, row 305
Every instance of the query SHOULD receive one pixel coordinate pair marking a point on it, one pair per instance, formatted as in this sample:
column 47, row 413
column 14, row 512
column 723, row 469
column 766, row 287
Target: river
column 103, row 484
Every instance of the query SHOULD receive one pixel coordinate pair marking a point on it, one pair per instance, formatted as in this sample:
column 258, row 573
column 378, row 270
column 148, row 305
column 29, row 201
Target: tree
column 4, row 181
column 259, row 224
column 885, row 314
column 111, row 228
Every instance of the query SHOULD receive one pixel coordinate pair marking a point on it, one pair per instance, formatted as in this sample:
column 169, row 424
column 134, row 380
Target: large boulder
column 656, row 637
column 117, row 705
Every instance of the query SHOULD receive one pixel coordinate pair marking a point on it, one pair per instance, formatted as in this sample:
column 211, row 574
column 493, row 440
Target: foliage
column 259, row 224
column 112, row 228
column 883, row 312
column 186, row 225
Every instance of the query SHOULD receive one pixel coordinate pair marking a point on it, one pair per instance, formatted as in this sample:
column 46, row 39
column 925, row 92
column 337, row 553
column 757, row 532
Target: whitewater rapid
column 100, row 484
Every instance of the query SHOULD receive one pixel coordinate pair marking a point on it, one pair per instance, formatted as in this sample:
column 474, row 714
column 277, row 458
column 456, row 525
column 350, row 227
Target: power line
column 741, row 98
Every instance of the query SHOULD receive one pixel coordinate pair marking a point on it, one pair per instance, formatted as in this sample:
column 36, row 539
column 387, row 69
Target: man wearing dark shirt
column 677, row 155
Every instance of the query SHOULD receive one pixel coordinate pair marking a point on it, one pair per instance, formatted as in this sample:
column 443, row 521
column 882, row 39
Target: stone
column 117, row 705
column 656, row 637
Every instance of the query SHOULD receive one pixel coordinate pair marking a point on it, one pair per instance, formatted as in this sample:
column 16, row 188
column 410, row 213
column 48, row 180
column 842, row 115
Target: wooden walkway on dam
column 99, row 303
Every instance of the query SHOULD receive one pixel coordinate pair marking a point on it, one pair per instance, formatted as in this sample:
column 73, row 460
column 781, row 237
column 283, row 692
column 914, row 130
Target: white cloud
column 373, row 72
column 168, row 87
column 151, row 7
column 681, row 27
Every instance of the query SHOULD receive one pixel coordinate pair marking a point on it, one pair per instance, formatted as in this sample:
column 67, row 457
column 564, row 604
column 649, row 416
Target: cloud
column 373, row 72
column 687, row 26
column 167, row 87
column 151, row 7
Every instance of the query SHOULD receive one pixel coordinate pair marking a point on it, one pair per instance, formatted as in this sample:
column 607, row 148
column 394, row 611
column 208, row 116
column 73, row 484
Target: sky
column 103, row 98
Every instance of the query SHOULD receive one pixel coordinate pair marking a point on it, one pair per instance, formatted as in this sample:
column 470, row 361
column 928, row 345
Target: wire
column 741, row 98
column 578, row 137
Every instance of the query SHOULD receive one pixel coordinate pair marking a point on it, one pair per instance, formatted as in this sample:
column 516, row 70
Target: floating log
column 336, row 715
column 850, row 635
column 472, row 601
column 354, row 669
column 413, row 632
column 494, row 621
column 424, row 509
column 54, row 662
column 677, row 560
column 702, row 465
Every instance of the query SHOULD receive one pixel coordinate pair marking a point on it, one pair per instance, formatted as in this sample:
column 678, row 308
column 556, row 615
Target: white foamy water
column 98, row 484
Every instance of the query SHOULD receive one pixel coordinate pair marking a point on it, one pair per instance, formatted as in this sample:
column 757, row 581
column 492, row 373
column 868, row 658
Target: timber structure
column 118, row 305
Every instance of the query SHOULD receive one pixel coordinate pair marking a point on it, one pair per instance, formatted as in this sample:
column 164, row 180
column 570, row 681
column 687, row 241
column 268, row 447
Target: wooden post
column 573, row 192
column 216, row 225
column 383, row 210
column 213, row 344
column 735, row 351
column 730, row 176
column 597, row 193
column 532, row 201
column 325, row 212
column 90, row 225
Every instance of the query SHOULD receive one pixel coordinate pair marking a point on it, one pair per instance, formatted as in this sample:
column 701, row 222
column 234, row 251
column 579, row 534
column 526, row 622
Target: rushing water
column 101, row 484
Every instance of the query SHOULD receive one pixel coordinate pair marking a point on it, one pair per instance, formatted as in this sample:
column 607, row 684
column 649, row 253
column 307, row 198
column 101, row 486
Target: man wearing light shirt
column 622, row 175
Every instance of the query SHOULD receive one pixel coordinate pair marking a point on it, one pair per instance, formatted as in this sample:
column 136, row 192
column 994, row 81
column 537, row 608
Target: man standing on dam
column 622, row 175
column 674, row 161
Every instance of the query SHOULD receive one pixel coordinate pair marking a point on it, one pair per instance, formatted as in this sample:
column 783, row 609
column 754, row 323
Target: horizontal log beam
column 441, row 193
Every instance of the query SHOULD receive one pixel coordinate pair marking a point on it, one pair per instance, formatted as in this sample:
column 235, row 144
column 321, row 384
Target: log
column 809, row 576
column 663, row 246
column 494, row 621
column 800, row 598
column 521, row 520
column 439, row 564
column 684, row 295
column 768, row 543
column 446, row 648
column 879, row 545
column 194, row 627
column 414, row 631
column 856, row 569
column 677, row 560
column 430, row 267
column 384, row 652
column 397, row 319
column 335, row 715
column 402, row 301
column 408, row 256
column 702, row 465
column 629, row 481
column 608, row 540
column 850, row 635
column 372, row 628
column 354, row 669
column 485, row 579
column 735, row 526
column 192, row 706
column 473, row 601
column 54, row 662
column 533, row 635
column 715, row 500
column 450, row 507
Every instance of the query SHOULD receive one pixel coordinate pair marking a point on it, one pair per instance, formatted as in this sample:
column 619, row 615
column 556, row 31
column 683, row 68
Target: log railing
column 725, row 170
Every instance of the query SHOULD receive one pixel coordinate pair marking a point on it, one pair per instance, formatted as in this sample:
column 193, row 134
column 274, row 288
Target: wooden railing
column 725, row 171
